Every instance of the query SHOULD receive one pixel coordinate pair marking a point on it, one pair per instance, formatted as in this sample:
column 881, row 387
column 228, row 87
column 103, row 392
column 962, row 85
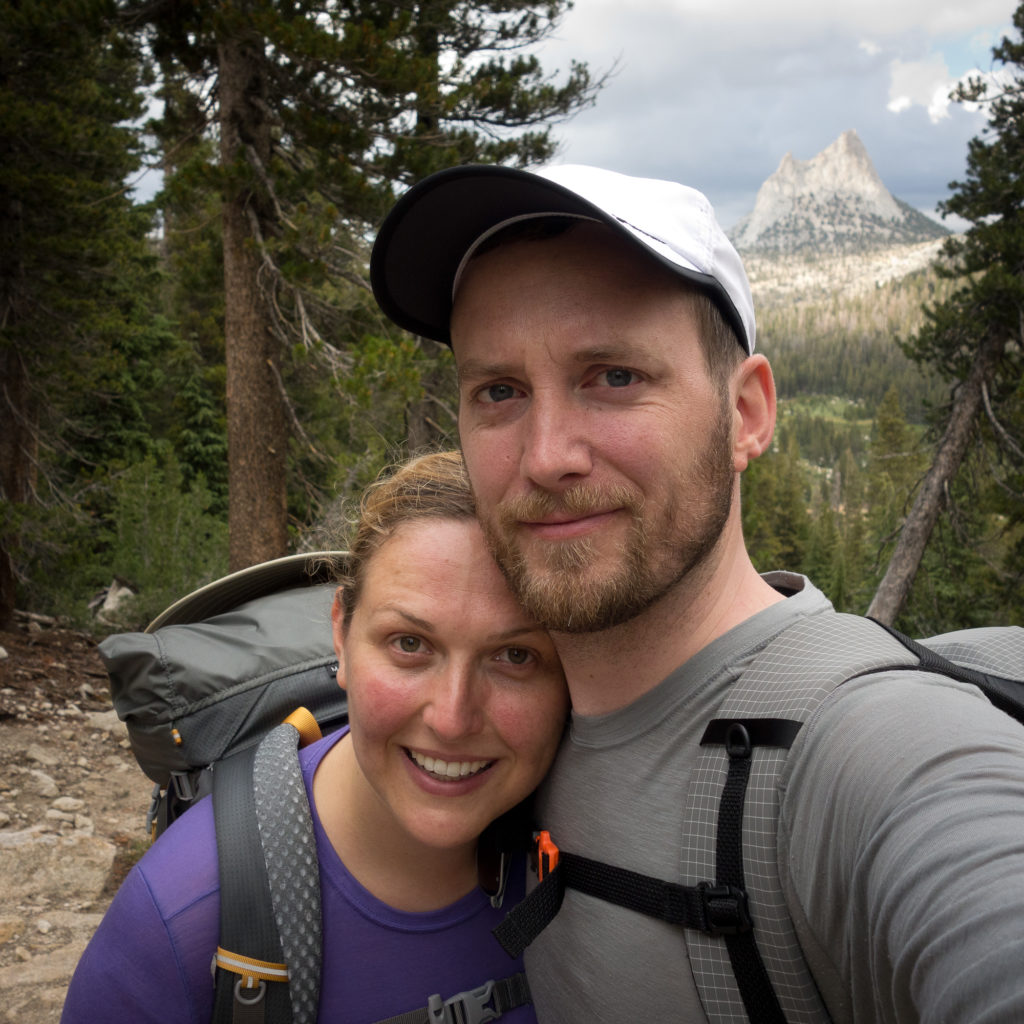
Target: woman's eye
column 409, row 644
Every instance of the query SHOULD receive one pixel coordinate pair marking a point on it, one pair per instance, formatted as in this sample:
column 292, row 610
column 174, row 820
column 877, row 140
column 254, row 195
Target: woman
column 456, row 702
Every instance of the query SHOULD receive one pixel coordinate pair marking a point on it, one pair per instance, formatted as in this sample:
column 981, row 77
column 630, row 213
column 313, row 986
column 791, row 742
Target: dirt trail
column 72, row 813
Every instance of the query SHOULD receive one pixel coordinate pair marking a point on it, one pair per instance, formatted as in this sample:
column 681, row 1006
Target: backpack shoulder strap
column 991, row 658
column 270, row 928
column 786, row 682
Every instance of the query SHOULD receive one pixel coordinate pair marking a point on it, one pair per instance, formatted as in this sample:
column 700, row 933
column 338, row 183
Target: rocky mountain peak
column 835, row 202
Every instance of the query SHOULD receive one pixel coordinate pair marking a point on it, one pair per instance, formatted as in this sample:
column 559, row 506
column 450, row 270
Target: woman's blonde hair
column 433, row 486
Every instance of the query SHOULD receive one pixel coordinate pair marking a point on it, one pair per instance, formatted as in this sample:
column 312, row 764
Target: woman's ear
column 338, row 633
column 753, row 412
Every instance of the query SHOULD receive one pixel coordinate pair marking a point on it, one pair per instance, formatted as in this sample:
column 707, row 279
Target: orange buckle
column 305, row 725
column 546, row 854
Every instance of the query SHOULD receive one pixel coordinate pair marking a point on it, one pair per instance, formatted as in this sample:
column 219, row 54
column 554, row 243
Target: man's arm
column 902, row 844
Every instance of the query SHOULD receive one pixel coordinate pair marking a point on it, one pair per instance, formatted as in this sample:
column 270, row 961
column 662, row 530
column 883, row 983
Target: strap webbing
column 475, row 1006
column 721, row 909
column 714, row 909
column 1005, row 694
column 246, row 915
column 756, row 991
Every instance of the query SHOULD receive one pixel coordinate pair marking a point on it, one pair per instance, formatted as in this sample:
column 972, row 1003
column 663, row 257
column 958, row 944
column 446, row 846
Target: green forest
column 202, row 381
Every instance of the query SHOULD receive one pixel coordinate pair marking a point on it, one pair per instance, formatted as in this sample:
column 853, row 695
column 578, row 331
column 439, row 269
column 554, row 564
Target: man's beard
column 564, row 596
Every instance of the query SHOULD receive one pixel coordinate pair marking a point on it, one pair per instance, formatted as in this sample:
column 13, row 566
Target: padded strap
column 293, row 869
column 1006, row 694
column 247, row 926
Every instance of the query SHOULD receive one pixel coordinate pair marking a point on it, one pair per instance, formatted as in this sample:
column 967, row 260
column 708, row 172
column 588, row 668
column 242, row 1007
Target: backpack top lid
column 223, row 665
column 228, row 592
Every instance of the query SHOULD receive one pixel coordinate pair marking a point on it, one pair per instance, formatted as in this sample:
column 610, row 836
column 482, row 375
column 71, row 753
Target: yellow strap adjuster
column 306, row 726
column 252, row 971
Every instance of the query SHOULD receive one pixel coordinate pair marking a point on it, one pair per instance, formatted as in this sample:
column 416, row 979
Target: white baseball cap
column 434, row 228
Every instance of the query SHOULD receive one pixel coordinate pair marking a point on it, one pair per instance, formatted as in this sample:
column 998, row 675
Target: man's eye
column 618, row 377
column 498, row 393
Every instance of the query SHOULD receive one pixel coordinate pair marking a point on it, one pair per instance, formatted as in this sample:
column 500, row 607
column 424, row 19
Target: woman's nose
column 454, row 708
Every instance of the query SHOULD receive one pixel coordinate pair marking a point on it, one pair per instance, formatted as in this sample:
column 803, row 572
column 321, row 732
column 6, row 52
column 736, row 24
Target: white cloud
column 925, row 83
column 928, row 84
column 714, row 93
column 877, row 18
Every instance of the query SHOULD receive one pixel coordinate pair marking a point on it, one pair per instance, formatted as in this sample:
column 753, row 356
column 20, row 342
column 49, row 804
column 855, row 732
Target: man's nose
column 556, row 451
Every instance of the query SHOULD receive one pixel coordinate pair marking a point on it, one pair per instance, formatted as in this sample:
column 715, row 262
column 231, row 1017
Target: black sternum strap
column 716, row 910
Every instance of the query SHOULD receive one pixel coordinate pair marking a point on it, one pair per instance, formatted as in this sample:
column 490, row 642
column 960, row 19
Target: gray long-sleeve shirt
column 901, row 842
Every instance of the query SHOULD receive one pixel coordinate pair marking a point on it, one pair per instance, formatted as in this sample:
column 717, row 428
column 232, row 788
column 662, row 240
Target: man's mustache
column 576, row 502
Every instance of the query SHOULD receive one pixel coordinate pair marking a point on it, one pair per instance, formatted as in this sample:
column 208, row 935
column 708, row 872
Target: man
column 610, row 398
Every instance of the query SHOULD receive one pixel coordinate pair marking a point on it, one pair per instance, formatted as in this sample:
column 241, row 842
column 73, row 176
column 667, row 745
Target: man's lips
column 565, row 526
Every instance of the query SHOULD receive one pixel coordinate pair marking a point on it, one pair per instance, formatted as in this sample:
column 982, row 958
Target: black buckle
column 726, row 909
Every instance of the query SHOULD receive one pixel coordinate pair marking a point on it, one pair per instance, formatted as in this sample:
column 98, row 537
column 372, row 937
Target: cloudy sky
column 715, row 92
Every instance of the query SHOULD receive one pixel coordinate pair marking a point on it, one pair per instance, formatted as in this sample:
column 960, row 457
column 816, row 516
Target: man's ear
column 753, row 412
column 338, row 633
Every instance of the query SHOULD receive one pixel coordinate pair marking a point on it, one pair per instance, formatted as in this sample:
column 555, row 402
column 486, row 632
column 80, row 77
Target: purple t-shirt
column 149, row 960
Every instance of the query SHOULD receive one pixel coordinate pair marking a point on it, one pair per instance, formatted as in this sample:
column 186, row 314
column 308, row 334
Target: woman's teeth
column 448, row 769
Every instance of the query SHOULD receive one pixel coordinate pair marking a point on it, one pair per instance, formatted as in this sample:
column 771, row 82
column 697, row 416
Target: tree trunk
column 17, row 464
column 429, row 422
column 257, row 422
column 895, row 587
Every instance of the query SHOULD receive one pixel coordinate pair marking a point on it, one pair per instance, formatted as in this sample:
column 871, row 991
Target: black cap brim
column 422, row 241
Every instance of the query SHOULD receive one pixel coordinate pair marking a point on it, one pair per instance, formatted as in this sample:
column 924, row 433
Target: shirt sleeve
column 902, row 852
column 149, row 960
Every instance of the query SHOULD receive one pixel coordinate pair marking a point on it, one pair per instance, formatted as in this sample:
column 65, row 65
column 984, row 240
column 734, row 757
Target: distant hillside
column 794, row 278
column 833, row 204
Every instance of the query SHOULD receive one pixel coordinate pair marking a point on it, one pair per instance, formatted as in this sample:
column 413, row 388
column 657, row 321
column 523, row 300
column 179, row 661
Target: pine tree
column 74, row 263
column 322, row 109
column 976, row 337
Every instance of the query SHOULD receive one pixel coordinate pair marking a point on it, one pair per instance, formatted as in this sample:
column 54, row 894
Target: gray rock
column 43, row 784
column 68, row 803
column 107, row 721
column 64, row 868
column 40, row 756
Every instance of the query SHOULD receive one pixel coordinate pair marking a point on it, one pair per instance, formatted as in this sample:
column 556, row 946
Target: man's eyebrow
column 477, row 369
column 605, row 354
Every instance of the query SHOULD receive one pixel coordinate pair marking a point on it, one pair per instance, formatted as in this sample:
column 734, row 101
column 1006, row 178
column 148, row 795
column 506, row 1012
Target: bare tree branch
column 1000, row 431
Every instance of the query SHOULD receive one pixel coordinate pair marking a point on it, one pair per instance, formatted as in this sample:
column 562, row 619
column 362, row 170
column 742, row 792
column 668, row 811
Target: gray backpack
column 217, row 670
column 746, row 959
column 203, row 692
